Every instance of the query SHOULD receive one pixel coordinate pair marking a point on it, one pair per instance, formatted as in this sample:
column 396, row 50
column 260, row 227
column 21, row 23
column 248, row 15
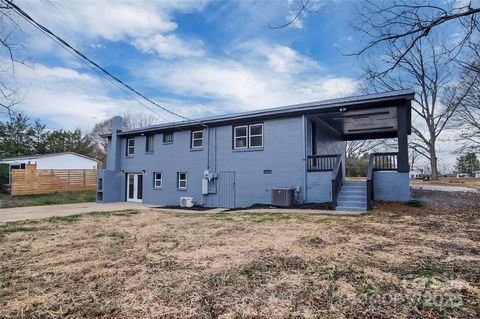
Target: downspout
column 304, row 130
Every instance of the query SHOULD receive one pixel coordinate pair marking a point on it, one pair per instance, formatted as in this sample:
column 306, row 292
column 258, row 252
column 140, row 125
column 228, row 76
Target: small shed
column 66, row 160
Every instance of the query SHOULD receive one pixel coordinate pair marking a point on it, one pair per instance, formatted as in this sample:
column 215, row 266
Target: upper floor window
column 130, row 146
column 248, row 136
column 197, row 139
column 149, row 142
column 168, row 137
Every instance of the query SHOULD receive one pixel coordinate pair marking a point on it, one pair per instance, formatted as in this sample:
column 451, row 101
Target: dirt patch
column 194, row 208
column 397, row 261
column 320, row 206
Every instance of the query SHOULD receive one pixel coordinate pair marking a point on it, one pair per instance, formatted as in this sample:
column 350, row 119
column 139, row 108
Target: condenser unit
column 186, row 201
column 283, row 196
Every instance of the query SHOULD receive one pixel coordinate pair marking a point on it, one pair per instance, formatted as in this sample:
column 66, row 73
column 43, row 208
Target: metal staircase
column 352, row 196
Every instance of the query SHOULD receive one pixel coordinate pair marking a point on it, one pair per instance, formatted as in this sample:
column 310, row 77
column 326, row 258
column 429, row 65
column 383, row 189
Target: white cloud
column 260, row 78
column 112, row 20
column 67, row 98
column 169, row 46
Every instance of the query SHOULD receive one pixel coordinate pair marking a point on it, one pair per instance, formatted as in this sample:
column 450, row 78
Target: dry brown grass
column 157, row 264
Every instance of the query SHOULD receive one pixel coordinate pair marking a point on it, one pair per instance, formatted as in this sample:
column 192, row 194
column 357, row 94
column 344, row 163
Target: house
column 66, row 160
column 240, row 159
column 416, row 174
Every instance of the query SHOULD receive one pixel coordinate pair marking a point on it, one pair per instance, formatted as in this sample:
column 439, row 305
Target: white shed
column 67, row 160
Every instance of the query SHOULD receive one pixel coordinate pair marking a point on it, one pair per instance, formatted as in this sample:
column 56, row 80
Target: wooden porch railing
column 385, row 161
column 322, row 163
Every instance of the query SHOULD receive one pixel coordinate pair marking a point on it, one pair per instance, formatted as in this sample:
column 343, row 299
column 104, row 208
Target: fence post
column 84, row 179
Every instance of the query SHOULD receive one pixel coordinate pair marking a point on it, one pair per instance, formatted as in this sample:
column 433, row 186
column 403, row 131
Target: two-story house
column 236, row 160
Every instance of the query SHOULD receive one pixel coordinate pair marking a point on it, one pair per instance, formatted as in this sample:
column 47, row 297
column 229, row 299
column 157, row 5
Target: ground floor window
column 182, row 180
column 157, row 180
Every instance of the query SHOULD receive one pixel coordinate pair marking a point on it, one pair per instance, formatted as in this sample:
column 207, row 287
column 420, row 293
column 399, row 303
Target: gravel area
column 444, row 188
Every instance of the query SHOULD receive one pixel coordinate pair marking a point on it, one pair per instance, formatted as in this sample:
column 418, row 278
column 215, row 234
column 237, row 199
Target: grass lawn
column 46, row 199
column 398, row 262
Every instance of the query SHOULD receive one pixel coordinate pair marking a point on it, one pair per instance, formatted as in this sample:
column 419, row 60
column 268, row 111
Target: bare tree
column 11, row 55
column 130, row 121
column 467, row 119
column 386, row 23
column 428, row 69
column 358, row 148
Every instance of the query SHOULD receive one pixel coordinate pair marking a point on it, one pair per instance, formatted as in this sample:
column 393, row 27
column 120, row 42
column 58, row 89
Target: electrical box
column 204, row 186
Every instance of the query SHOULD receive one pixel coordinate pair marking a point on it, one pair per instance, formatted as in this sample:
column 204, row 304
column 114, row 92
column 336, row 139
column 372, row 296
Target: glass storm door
column 134, row 187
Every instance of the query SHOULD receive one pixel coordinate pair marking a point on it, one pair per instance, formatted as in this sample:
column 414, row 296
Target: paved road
column 47, row 211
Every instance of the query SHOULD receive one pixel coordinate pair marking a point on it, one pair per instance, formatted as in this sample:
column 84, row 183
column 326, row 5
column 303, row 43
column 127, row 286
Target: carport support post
column 402, row 127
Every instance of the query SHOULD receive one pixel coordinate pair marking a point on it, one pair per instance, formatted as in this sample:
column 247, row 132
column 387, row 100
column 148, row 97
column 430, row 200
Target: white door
column 134, row 188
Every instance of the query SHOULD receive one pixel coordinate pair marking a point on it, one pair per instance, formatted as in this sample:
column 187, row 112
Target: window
column 149, row 142
column 130, row 147
column 100, row 184
column 168, row 137
column 197, row 139
column 157, row 180
column 240, row 137
column 256, row 135
column 248, row 136
column 182, row 180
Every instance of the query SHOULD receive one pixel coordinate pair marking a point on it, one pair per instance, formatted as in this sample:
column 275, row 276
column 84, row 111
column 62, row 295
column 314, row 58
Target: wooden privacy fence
column 43, row 181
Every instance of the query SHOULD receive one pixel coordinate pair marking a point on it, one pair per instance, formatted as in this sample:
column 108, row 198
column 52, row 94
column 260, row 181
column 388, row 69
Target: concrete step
column 353, row 202
column 354, row 183
column 353, row 193
column 350, row 209
column 355, row 197
column 352, row 188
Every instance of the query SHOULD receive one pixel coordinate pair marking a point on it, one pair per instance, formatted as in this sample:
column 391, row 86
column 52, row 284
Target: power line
column 92, row 64
column 102, row 74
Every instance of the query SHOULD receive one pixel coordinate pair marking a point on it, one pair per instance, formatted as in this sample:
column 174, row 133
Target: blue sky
column 197, row 58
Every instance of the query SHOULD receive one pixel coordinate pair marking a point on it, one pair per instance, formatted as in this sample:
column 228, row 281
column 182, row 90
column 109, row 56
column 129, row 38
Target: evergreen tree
column 468, row 163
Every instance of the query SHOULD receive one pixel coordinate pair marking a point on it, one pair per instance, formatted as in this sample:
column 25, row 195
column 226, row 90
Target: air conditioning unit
column 283, row 196
column 186, row 201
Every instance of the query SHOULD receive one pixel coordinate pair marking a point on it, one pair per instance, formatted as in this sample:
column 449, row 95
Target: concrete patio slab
column 47, row 211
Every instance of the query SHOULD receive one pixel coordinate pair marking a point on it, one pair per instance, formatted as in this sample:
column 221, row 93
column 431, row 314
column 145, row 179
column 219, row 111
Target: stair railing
column 337, row 178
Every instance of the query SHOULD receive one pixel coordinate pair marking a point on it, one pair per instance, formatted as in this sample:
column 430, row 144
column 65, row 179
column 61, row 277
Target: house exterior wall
column 319, row 184
column 391, row 186
column 280, row 163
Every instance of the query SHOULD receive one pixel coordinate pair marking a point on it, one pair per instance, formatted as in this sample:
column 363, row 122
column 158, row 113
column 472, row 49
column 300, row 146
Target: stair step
column 354, row 183
column 347, row 193
column 349, row 208
column 348, row 202
column 352, row 187
column 351, row 197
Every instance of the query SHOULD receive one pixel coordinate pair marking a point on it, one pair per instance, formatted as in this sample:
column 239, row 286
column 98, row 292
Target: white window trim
column 130, row 147
column 178, row 180
column 155, row 179
column 153, row 143
column 256, row 135
column 196, row 139
column 235, row 137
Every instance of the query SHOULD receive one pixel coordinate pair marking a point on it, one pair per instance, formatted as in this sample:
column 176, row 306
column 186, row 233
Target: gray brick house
column 236, row 160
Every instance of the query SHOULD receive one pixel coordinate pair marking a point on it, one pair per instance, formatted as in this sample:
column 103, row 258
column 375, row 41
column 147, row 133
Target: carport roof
column 362, row 102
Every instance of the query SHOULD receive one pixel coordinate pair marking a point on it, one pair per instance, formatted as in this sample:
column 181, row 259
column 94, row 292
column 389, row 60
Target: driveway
column 47, row 211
